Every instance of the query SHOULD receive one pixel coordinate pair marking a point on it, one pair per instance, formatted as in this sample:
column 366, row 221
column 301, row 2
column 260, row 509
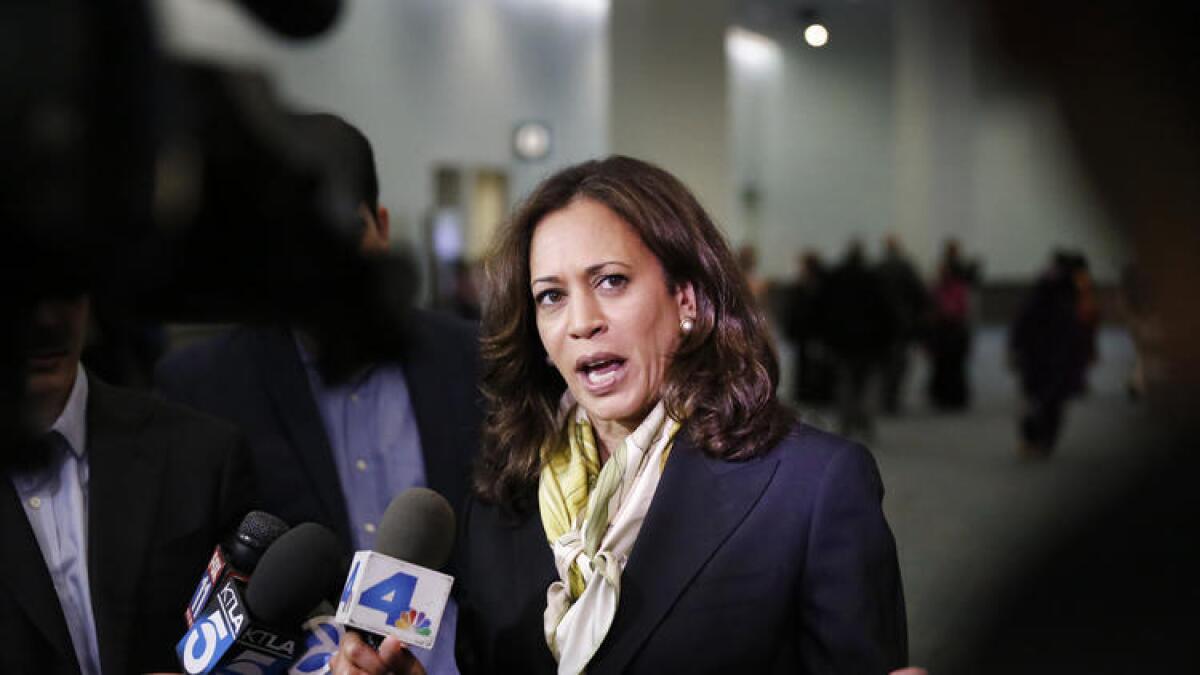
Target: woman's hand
column 355, row 657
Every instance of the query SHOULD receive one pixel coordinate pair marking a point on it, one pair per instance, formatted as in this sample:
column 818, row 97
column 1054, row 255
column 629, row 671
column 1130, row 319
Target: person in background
column 643, row 502
column 909, row 300
column 335, row 445
column 815, row 376
column 857, row 323
column 1051, row 344
column 108, row 520
column 949, row 339
column 748, row 263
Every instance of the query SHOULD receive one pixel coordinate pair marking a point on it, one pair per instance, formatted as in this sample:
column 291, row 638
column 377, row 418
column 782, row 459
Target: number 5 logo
column 202, row 642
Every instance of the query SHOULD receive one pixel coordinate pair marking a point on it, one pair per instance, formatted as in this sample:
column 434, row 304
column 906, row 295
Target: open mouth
column 602, row 370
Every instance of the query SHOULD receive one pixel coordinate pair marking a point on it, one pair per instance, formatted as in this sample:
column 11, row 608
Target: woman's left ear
column 685, row 299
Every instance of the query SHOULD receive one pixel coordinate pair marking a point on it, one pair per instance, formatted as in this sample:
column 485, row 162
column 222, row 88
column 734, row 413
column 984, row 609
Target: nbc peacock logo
column 414, row 621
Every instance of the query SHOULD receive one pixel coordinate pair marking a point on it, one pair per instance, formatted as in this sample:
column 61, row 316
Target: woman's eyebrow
column 590, row 270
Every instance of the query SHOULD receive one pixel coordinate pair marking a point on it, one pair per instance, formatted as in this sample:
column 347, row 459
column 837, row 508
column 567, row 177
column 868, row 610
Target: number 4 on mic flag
column 386, row 596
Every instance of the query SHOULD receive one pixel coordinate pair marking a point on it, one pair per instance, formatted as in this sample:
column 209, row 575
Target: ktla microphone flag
column 386, row 596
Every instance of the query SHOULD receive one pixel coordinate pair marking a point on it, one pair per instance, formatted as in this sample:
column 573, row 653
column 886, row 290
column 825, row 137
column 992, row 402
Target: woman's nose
column 586, row 319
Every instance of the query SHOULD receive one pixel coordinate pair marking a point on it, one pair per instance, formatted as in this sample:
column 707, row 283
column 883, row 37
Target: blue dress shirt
column 376, row 448
column 55, row 499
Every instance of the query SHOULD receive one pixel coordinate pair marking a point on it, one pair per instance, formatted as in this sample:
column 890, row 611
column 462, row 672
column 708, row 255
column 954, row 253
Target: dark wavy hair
column 722, row 379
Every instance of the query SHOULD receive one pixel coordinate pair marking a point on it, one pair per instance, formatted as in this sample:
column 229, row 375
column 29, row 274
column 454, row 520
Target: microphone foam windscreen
column 294, row 575
column 256, row 533
column 418, row 527
column 260, row 529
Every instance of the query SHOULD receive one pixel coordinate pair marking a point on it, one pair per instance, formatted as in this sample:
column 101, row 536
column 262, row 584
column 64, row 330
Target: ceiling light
column 816, row 35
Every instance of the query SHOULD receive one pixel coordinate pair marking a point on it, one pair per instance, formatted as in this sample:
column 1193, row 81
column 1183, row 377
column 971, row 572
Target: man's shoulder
column 440, row 325
column 437, row 337
column 134, row 410
column 223, row 348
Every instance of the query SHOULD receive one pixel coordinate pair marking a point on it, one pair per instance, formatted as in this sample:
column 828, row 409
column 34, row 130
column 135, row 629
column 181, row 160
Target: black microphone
column 258, row 630
column 236, row 557
column 395, row 590
column 295, row 19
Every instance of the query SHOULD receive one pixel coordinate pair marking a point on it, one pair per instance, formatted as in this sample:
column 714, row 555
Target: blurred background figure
column 813, row 371
column 466, row 290
column 1051, row 344
column 856, row 323
column 949, row 338
column 1134, row 310
column 747, row 259
column 909, row 300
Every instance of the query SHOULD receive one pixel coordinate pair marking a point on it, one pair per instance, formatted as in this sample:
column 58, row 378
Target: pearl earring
column 686, row 325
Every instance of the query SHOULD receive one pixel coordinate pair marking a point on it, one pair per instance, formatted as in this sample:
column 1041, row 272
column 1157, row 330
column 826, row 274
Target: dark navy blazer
column 166, row 484
column 254, row 378
column 782, row 564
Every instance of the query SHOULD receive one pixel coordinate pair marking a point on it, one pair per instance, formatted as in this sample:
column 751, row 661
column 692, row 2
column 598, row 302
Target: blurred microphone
column 258, row 630
column 295, row 19
column 395, row 590
column 322, row 635
column 236, row 557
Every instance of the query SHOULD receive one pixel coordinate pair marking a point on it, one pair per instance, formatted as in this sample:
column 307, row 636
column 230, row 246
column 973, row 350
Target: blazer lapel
column 23, row 571
column 435, row 416
column 288, row 386
column 122, row 495
column 698, row 504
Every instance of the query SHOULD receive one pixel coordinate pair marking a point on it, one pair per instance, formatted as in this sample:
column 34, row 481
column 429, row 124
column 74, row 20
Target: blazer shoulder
column 808, row 449
column 126, row 405
column 202, row 357
column 438, row 329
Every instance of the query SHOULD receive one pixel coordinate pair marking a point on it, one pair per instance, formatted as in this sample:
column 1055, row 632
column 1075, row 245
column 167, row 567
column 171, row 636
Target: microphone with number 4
column 259, row 630
column 395, row 590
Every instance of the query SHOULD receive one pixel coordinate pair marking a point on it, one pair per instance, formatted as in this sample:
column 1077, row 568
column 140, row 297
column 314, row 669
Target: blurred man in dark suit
column 108, row 520
column 341, row 419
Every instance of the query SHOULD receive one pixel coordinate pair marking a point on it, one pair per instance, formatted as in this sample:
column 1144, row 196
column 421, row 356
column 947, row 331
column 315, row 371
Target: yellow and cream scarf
column 592, row 516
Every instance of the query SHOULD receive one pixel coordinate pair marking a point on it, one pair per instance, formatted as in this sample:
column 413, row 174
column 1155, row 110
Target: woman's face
column 605, row 314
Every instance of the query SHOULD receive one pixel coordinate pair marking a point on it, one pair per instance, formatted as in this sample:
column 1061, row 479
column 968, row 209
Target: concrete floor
column 966, row 509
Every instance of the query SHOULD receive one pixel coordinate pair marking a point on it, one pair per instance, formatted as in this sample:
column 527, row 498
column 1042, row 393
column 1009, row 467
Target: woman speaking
column 643, row 502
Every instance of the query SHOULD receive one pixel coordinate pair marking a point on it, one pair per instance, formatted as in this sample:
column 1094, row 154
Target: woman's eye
column 612, row 281
column 548, row 297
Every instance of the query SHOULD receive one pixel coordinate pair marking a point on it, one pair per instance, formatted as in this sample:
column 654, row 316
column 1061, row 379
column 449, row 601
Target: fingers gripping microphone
column 395, row 590
column 236, row 557
column 258, row 630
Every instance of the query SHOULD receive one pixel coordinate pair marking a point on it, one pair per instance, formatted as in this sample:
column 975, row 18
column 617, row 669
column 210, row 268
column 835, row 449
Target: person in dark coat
column 949, row 338
column 856, row 322
column 909, row 299
column 342, row 418
column 814, row 377
column 104, row 533
column 643, row 502
column 1050, row 346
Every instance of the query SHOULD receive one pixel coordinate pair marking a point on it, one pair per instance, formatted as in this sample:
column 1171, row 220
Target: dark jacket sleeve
column 211, row 486
column 852, row 604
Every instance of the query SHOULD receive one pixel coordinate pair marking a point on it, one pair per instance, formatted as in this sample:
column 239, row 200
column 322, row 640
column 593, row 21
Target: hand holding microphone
column 394, row 591
column 355, row 656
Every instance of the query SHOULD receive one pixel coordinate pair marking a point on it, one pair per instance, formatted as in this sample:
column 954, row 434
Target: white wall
column 669, row 100
column 814, row 133
column 432, row 81
column 902, row 123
